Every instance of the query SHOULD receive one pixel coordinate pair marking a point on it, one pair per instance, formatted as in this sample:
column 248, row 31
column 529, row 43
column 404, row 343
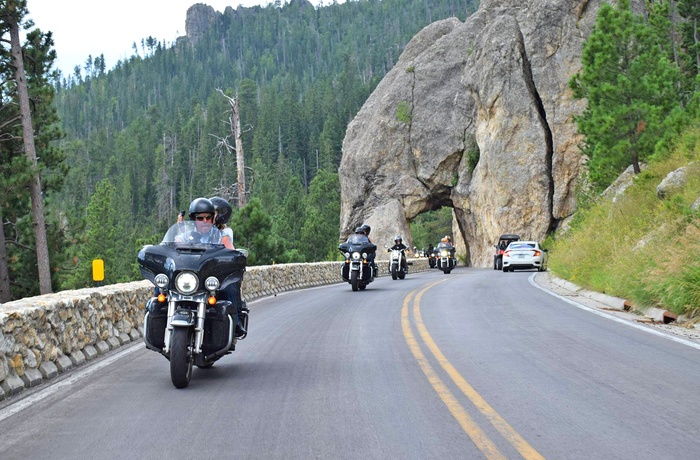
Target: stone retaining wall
column 43, row 336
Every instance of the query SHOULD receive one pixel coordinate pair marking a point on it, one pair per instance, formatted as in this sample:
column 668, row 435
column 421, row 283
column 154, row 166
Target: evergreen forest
column 123, row 147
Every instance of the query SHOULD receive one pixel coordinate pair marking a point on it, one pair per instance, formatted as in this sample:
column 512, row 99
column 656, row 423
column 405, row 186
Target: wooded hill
column 143, row 138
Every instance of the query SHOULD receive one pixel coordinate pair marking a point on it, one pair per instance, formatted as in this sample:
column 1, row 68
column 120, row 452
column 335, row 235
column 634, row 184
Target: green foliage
column 428, row 228
column 630, row 86
column 403, row 112
column 641, row 247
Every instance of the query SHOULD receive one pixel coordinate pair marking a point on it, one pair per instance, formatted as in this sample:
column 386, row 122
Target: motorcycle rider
column 201, row 212
column 365, row 229
column 399, row 246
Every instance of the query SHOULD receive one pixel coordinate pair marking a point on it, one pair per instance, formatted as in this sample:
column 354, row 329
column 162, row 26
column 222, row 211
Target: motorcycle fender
column 354, row 266
column 183, row 318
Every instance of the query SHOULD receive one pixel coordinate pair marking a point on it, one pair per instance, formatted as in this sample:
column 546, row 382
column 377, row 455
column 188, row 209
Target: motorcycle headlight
column 186, row 282
column 347, row 255
column 364, row 255
column 356, row 255
column 212, row 283
column 444, row 253
column 161, row 280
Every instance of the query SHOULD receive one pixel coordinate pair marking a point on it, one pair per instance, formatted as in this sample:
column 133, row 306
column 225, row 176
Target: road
column 475, row 364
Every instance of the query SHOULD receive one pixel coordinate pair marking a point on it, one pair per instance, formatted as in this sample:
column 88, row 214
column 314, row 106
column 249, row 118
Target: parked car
column 523, row 255
column 503, row 242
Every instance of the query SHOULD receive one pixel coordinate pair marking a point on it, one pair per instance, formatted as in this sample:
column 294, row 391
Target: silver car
column 523, row 255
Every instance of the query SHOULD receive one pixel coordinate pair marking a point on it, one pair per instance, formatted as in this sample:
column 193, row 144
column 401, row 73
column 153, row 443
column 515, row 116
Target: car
column 503, row 242
column 523, row 255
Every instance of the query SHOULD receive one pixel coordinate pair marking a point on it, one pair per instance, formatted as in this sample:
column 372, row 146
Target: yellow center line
column 512, row 436
column 483, row 443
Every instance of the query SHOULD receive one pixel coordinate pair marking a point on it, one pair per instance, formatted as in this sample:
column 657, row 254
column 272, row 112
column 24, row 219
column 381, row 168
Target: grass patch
column 640, row 247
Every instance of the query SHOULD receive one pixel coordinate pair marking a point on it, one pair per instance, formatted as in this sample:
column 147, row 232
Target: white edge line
column 56, row 387
column 666, row 335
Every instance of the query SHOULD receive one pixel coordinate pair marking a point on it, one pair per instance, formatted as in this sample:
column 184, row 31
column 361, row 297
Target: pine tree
column 630, row 88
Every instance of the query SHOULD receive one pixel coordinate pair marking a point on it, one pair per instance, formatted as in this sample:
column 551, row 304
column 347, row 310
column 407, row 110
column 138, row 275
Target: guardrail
column 43, row 336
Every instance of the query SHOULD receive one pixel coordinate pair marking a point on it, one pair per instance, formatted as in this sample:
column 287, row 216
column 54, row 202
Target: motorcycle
column 446, row 258
column 432, row 258
column 187, row 323
column 358, row 270
column 398, row 267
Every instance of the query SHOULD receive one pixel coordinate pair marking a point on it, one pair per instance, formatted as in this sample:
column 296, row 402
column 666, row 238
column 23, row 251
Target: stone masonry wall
column 43, row 336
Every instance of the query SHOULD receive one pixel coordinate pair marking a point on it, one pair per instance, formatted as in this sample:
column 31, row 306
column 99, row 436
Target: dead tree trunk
column 235, row 125
column 42, row 250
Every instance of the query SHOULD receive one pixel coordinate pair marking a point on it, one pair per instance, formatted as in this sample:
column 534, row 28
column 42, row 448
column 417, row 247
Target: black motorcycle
column 188, row 322
column 358, row 269
column 445, row 260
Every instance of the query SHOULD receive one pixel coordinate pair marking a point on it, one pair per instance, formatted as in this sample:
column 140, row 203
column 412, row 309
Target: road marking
column 56, row 387
column 666, row 335
column 512, row 436
column 483, row 443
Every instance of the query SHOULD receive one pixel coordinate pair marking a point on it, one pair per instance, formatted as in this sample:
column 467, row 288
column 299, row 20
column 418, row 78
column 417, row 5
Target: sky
column 93, row 27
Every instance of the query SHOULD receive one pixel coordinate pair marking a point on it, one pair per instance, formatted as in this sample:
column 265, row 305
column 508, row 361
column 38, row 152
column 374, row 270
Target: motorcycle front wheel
column 355, row 281
column 180, row 357
column 394, row 271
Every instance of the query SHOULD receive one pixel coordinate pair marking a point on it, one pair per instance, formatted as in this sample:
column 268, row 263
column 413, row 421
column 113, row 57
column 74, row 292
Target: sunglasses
column 207, row 218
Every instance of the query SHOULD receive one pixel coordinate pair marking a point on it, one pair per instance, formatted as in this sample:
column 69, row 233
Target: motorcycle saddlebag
column 217, row 329
column 155, row 321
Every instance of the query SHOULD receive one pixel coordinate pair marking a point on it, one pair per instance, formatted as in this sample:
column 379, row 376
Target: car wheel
column 505, row 269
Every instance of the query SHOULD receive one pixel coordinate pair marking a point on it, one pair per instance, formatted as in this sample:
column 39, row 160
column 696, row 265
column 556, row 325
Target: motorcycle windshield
column 193, row 233
column 357, row 243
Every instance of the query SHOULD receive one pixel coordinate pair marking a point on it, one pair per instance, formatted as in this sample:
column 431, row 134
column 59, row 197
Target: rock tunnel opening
column 430, row 226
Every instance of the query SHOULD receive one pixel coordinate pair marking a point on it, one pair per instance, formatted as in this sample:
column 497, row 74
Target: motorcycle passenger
column 222, row 215
column 375, row 269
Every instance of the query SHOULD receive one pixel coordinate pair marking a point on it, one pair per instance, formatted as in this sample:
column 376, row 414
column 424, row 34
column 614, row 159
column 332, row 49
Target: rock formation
column 477, row 116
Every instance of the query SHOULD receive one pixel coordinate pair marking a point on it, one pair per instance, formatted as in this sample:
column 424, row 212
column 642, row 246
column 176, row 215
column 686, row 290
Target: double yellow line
column 482, row 441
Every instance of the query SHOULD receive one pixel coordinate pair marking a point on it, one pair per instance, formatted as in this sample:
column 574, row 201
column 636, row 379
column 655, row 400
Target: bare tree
column 13, row 19
column 234, row 122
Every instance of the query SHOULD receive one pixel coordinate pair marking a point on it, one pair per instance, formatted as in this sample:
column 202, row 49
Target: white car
column 523, row 255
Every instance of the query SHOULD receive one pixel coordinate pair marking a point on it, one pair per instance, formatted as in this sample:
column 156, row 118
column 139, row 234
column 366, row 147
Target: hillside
column 639, row 239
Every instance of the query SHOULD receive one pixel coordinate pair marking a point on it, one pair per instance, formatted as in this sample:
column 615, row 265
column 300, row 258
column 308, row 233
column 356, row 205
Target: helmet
column 367, row 229
column 447, row 238
column 360, row 230
column 398, row 239
column 201, row 205
column 223, row 210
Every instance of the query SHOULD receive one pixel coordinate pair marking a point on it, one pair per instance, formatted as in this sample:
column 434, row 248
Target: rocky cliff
column 476, row 116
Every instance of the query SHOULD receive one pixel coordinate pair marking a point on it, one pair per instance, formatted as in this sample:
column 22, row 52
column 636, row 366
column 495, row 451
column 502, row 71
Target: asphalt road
column 475, row 364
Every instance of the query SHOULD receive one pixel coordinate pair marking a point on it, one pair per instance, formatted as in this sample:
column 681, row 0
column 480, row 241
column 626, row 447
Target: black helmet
column 360, row 230
column 201, row 205
column 367, row 229
column 223, row 210
column 398, row 239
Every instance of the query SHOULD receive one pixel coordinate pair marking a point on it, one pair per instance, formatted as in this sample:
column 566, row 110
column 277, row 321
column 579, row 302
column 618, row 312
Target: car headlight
column 356, row 255
column 161, row 280
column 186, row 282
column 212, row 283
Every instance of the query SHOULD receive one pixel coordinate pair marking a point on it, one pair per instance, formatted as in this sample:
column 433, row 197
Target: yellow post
column 98, row 270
